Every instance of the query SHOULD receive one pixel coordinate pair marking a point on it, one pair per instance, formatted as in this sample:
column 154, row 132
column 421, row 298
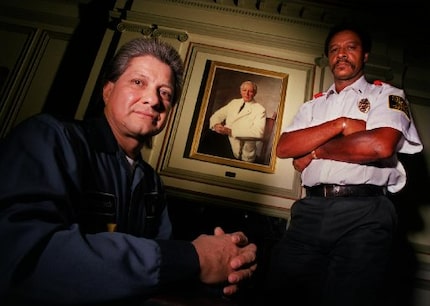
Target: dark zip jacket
column 61, row 185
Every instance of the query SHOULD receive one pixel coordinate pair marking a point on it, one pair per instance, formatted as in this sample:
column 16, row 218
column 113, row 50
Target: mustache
column 343, row 60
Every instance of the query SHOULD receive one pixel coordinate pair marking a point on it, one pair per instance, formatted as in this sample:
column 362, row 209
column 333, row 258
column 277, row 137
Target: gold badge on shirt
column 397, row 102
column 364, row 105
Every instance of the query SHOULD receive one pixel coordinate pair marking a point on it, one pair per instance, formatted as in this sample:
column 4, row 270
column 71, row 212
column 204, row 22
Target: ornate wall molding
column 305, row 12
column 150, row 31
column 287, row 12
column 241, row 33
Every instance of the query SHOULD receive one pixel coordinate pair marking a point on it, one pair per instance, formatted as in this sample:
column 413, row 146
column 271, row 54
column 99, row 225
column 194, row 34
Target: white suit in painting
column 244, row 126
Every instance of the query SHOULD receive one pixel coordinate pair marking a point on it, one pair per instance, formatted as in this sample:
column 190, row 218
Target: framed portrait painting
column 222, row 85
column 213, row 78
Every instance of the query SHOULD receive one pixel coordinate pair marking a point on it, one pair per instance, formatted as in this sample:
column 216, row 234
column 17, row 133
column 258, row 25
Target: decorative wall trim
column 31, row 52
column 17, row 81
column 307, row 14
column 150, row 31
column 220, row 31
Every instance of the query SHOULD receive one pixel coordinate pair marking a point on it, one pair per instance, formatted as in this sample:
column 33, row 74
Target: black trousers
column 215, row 144
column 335, row 252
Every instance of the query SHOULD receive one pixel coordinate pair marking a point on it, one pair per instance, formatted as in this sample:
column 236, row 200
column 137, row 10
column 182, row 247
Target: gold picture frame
column 220, row 87
column 182, row 168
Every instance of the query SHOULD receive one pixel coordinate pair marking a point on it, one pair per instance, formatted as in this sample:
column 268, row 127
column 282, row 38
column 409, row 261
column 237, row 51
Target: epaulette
column 317, row 95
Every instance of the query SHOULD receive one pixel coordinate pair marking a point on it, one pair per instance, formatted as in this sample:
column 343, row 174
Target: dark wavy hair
column 141, row 47
column 363, row 34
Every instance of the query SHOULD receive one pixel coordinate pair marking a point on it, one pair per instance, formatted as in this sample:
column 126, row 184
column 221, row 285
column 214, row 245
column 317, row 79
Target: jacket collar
column 102, row 139
column 100, row 134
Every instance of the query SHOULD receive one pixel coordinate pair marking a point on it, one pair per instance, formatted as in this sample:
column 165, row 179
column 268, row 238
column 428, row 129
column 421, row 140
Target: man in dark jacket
column 83, row 219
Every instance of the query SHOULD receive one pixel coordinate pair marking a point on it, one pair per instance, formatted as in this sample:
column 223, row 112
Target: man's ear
column 107, row 89
column 366, row 57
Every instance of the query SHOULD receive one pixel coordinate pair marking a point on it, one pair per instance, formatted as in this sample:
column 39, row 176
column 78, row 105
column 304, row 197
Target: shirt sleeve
column 391, row 109
column 302, row 119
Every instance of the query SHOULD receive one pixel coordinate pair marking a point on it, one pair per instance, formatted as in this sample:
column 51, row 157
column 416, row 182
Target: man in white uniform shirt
column 344, row 142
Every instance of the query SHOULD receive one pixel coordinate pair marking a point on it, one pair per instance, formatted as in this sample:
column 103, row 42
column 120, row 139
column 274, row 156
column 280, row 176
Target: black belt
column 364, row 190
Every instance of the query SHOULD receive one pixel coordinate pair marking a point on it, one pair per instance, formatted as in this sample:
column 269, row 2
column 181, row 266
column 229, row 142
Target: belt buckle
column 332, row 191
column 336, row 190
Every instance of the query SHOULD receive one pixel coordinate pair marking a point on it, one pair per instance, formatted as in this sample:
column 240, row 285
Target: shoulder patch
column 317, row 95
column 397, row 102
